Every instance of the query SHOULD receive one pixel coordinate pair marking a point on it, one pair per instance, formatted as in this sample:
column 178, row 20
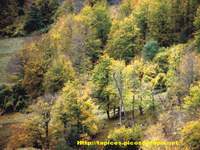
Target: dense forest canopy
column 103, row 70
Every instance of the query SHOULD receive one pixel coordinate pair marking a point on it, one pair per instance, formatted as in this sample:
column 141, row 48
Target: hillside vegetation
column 99, row 70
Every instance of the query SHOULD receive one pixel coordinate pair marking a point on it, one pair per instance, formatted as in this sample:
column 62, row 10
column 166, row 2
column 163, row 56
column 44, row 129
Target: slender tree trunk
column 65, row 131
column 153, row 101
column 141, row 110
column 133, row 109
column 46, row 135
column 108, row 111
column 114, row 112
column 120, row 112
column 119, row 85
column 123, row 110
column 118, row 109
column 108, row 114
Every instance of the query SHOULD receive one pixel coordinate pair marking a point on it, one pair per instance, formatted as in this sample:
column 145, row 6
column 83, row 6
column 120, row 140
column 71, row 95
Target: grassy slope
column 7, row 48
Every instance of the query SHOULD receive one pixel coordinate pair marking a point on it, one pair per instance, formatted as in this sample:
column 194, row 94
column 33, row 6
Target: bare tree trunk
column 119, row 85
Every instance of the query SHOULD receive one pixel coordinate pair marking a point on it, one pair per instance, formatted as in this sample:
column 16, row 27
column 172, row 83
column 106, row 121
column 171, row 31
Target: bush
column 192, row 101
column 123, row 134
column 162, row 60
column 191, row 135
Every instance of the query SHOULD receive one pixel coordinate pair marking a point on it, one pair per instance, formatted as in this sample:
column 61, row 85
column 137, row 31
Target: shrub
column 192, row 101
column 123, row 134
column 191, row 135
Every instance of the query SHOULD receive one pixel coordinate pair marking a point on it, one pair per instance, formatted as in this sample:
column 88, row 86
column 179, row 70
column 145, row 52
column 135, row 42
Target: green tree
column 166, row 21
column 150, row 49
column 101, row 80
column 40, row 15
column 159, row 22
column 13, row 98
column 102, row 22
column 124, row 39
column 97, row 18
column 34, row 19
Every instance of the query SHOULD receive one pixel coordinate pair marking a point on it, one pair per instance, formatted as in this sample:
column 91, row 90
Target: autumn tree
column 75, row 112
column 36, row 131
column 58, row 74
column 185, row 73
column 36, row 59
column 73, row 36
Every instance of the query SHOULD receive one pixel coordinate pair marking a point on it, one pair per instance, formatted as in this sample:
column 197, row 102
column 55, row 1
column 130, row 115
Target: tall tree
column 124, row 39
column 75, row 111
column 101, row 80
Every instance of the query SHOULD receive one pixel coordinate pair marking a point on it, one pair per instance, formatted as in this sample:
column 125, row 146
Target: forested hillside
column 121, row 71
